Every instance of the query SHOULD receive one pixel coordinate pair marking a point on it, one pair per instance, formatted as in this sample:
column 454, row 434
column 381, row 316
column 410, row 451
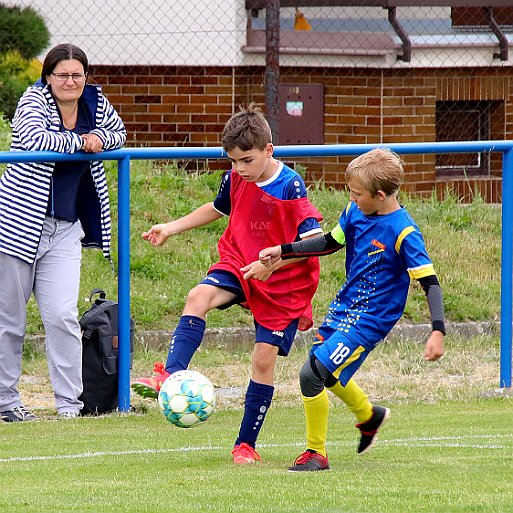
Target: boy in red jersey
column 267, row 203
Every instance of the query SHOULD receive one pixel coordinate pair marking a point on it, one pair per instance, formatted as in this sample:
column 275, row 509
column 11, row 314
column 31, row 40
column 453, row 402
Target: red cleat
column 150, row 387
column 243, row 454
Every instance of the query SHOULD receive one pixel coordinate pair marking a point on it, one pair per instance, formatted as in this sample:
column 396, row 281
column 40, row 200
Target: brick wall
column 169, row 106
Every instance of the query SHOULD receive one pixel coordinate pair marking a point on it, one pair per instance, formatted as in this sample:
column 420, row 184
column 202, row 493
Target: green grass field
column 448, row 447
column 447, row 457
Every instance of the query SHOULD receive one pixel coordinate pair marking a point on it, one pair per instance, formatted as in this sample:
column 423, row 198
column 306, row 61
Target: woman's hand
column 92, row 143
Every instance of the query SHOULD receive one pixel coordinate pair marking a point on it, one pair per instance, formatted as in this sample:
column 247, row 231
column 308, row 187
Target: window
column 464, row 121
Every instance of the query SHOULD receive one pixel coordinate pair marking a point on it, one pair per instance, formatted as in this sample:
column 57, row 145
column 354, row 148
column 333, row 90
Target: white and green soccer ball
column 187, row 398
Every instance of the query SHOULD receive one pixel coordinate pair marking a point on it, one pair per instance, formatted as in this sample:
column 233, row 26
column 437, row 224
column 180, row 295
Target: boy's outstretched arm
column 159, row 233
column 434, row 348
column 316, row 246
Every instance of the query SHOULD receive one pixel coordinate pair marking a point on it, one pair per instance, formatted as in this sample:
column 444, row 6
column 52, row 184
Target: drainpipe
column 503, row 41
column 403, row 36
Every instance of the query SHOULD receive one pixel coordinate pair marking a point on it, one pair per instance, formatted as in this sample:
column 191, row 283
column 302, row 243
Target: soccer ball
column 187, row 398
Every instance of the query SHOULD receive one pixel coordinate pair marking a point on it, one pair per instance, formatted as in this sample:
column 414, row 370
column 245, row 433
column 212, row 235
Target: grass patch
column 463, row 241
column 443, row 458
column 447, row 448
column 395, row 372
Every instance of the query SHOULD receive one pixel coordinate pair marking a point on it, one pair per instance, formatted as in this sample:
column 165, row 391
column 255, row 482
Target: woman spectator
column 47, row 211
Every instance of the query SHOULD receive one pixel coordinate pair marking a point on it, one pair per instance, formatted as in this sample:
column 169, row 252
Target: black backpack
column 100, row 355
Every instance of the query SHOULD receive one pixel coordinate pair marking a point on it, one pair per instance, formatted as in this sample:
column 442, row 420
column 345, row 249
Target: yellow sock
column 316, row 413
column 355, row 398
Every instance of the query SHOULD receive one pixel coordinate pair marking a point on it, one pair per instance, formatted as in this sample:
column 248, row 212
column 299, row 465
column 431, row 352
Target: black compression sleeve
column 433, row 292
column 317, row 246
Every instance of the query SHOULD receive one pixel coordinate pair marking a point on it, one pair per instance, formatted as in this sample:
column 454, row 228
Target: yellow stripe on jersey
column 415, row 272
column 338, row 234
column 420, row 272
column 356, row 354
column 401, row 237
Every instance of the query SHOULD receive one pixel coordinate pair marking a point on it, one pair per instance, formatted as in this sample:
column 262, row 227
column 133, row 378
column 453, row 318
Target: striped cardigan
column 24, row 187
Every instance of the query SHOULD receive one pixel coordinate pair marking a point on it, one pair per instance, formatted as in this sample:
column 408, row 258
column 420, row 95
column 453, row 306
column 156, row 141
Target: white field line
column 437, row 441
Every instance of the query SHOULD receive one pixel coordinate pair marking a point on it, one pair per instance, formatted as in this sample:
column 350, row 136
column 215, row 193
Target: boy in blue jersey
column 384, row 249
column 266, row 203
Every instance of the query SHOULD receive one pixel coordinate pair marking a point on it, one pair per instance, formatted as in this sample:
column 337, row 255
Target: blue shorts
column 341, row 355
column 227, row 281
column 283, row 339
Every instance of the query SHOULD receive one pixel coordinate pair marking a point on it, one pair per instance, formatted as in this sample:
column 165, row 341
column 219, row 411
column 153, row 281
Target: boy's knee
column 263, row 361
column 263, row 366
column 312, row 377
column 198, row 298
column 194, row 294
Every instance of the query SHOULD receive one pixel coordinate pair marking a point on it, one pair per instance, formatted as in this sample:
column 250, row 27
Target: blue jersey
column 285, row 184
column 382, row 253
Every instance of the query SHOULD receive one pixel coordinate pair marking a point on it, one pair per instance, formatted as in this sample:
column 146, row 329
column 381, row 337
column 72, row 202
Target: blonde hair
column 377, row 170
column 247, row 129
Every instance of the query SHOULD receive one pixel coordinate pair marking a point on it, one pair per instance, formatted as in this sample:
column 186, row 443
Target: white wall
column 173, row 32
column 212, row 33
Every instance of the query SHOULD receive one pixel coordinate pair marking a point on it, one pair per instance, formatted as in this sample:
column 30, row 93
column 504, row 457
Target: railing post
column 124, row 283
column 506, row 270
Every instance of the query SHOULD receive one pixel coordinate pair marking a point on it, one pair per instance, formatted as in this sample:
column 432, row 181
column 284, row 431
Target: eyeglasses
column 76, row 77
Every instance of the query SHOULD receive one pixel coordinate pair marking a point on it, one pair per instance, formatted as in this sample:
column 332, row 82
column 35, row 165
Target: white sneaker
column 69, row 415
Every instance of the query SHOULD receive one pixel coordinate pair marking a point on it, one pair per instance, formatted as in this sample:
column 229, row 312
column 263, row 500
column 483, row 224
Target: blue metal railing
column 125, row 155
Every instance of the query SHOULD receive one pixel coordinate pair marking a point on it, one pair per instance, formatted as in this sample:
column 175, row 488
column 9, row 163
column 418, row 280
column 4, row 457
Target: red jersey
column 257, row 221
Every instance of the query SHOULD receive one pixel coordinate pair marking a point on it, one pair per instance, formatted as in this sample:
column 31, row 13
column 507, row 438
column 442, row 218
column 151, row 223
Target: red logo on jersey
column 376, row 248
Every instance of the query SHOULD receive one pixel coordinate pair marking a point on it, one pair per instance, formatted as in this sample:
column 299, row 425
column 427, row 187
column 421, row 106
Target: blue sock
column 186, row 339
column 258, row 400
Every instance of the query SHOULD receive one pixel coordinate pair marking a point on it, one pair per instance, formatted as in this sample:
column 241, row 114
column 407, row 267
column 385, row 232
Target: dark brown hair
column 62, row 52
column 246, row 130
